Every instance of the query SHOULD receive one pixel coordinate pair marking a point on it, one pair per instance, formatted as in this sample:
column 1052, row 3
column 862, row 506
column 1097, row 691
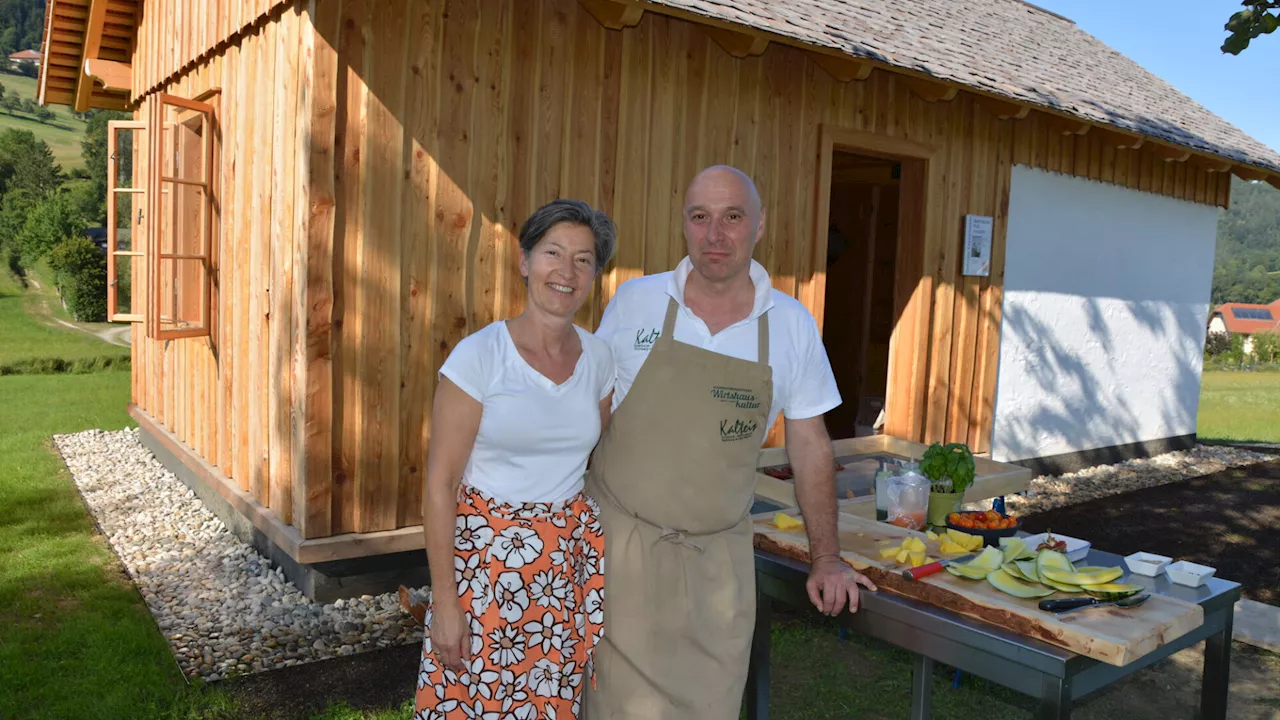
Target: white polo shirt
column 803, row 384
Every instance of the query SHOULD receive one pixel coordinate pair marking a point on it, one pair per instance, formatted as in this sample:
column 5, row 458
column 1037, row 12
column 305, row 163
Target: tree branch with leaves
column 1259, row 17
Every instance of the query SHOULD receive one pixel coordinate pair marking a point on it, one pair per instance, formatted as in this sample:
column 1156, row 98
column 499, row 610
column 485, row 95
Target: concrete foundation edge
column 321, row 582
column 1071, row 462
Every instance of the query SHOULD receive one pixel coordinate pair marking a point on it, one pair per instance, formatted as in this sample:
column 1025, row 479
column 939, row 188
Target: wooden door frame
column 907, row 385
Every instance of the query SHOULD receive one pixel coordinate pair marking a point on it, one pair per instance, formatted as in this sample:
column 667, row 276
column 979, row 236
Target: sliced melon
column 972, row 572
column 1052, row 559
column 1091, row 569
column 965, row 540
column 950, row 548
column 1061, row 586
column 1006, row 583
column 1012, row 569
column 1112, row 591
column 1012, row 547
column 1028, row 569
column 991, row 559
column 1100, row 577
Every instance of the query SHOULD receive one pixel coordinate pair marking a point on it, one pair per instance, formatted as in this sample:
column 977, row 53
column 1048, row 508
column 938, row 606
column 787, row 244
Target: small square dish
column 1189, row 573
column 1077, row 549
column 1145, row 563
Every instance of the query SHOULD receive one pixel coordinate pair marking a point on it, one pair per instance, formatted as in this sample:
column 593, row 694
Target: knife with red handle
column 924, row 571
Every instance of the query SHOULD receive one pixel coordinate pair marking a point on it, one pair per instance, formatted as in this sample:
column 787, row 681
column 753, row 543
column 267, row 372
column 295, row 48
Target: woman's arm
column 606, row 407
column 455, row 420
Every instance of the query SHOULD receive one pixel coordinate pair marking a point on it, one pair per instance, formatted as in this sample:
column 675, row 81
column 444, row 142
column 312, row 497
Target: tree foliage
column 21, row 25
column 1259, row 17
column 1266, row 347
column 48, row 223
column 80, row 274
column 95, row 152
column 26, row 162
column 1247, row 259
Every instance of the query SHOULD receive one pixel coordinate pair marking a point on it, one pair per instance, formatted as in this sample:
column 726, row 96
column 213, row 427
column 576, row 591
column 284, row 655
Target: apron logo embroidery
column 739, row 430
column 646, row 338
column 742, row 398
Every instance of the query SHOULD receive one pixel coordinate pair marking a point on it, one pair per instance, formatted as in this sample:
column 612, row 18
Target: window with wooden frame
column 126, row 229
column 181, row 175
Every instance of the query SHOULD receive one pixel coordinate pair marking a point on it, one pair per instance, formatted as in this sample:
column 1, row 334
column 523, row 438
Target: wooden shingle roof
column 1005, row 48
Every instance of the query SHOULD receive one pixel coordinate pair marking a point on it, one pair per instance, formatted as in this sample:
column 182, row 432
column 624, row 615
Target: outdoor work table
column 1056, row 676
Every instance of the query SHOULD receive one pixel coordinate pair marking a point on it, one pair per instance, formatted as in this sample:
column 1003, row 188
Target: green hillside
column 63, row 134
column 1247, row 263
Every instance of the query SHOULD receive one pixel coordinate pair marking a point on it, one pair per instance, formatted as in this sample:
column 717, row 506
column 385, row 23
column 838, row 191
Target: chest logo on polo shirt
column 737, row 430
column 742, row 398
column 646, row 338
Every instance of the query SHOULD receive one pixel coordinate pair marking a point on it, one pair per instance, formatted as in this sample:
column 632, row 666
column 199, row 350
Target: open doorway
column 860, row 311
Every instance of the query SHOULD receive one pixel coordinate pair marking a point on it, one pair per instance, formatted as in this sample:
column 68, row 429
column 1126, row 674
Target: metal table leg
column 758, row 674
column 921, row 687
column 1217, row 668
column 1055, row 699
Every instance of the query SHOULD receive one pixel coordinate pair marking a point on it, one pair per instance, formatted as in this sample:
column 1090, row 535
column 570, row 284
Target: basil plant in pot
column 950, row 471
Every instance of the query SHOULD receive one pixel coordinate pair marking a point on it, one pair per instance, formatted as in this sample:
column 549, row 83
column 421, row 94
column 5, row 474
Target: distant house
column 25, row 57
column 1245, row 319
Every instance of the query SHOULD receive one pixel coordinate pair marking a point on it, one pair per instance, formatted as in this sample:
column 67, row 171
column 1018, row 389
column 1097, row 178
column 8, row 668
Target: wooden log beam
column 1065, row 126
column 1274, row 181
column 1245, row 172
column 843, row 69
column 92, row 44
column 614, row 14
column 1169, row 153
column 1119, row 139
column 1002, row 109
column 739, row 44
column 931, row 90
column 112, row 75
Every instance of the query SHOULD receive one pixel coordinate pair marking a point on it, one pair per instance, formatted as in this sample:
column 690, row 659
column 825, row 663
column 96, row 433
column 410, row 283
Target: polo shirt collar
column 759, row 277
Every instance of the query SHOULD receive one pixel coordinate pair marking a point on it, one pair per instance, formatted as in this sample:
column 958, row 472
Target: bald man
column 708, row 356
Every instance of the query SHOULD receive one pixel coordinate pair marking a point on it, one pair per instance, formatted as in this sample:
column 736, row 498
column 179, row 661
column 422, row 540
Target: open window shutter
column 181, row 175
column 126, row 228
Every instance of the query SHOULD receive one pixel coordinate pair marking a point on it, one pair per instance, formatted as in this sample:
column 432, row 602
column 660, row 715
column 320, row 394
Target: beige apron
column 674, row 475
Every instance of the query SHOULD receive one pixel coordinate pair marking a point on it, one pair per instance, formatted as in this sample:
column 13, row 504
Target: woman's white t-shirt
column 535, row 437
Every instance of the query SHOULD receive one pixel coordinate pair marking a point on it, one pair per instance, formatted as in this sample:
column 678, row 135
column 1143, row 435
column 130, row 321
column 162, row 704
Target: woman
column 513, row 544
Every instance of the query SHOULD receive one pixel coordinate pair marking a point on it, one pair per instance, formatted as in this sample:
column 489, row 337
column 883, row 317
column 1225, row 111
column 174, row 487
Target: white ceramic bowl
column 1145, row 563
column 1189, row 573
column 1077, row 549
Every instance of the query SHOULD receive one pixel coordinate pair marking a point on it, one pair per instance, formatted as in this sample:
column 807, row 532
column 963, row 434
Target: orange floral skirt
column 531, row 580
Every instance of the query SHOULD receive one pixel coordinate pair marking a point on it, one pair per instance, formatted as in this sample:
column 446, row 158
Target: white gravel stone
column 1053, row 491
column 222, row 607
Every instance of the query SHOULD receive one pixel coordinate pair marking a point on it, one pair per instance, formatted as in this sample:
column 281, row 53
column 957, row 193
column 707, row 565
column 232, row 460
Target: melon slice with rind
column 991, row 559
column 1100, row 577
column 1028, row 569
column 1112, row 591
column 1012, row 569
column 1012, row 547
column 1061, row 586
column 970, row 572
column 1006, row 583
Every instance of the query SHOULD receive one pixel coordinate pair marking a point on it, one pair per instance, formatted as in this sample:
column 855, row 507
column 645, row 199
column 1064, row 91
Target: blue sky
column 1178, row 40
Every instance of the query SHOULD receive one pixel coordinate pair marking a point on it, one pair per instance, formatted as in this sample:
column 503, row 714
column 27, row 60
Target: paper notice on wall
column 977, row 245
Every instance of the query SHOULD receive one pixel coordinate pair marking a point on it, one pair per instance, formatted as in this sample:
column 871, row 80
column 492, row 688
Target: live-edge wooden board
column 1111, row 635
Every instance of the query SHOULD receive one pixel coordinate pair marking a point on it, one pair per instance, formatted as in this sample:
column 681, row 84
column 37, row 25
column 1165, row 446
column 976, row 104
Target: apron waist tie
column 666, row 533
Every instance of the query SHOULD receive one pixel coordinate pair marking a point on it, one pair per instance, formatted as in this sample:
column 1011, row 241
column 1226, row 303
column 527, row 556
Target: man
column 708, row 356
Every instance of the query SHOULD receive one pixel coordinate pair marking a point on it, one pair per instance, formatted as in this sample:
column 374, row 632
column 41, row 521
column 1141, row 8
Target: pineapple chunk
column 931, row 535
column 917, row 559
column 890, row 551
column 783, row 521
column 947, row 546
column 902, row 556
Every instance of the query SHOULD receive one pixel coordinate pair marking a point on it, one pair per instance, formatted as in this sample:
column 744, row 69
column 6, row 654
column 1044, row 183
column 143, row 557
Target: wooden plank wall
column 231, row 397
column 433, row 128
column 177, row 36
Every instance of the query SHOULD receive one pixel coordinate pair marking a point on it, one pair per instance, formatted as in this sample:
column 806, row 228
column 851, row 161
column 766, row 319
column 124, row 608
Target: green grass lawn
column 1240, row 406
column 28, row 329
column 63, row 135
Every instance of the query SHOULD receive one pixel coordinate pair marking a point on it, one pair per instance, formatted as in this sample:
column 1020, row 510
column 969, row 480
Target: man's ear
column 760, row 226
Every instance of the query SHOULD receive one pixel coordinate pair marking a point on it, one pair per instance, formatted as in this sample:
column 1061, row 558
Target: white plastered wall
column 1105, row 308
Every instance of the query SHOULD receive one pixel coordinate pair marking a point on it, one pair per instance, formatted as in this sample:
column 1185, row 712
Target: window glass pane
column 129, row 143
column 128, row 207
column 125, row 268
column 181, row 295
column 184, row 132
column 182, row 218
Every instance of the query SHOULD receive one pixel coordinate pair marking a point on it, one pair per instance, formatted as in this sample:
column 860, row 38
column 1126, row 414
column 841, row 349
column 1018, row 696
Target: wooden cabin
column 1004, row 228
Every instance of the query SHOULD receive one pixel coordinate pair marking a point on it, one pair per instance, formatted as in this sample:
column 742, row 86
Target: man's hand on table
column 832, row 584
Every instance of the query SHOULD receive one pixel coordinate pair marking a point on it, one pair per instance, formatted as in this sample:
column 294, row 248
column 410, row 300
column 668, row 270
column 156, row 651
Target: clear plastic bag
column 908, row 500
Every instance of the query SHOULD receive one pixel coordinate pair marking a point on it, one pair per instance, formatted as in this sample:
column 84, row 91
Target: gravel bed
column 1054, row 491
column 222, row 607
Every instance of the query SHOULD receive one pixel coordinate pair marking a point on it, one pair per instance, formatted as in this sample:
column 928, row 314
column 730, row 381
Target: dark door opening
column 859, row 315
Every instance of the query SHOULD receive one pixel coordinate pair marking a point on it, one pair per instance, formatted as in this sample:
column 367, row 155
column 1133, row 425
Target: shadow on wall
column 1090, row 403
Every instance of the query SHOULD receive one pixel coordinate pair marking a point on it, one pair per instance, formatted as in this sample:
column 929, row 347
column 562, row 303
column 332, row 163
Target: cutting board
column 1111, row 635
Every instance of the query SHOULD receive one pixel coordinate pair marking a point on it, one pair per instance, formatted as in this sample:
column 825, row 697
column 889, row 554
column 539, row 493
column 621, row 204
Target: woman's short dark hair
column 578, row 213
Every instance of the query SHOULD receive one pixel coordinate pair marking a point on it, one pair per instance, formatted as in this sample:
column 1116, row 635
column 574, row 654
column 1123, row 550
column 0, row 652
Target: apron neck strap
column 762, row 330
